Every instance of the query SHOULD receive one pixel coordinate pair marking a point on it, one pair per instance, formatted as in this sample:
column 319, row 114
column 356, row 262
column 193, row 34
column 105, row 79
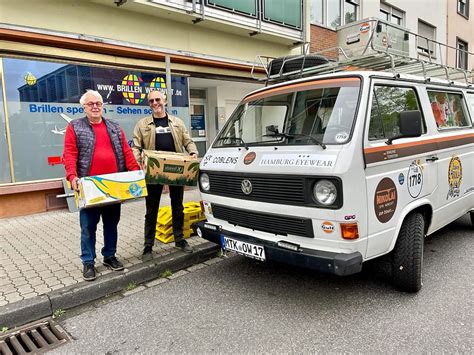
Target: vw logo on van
column 246, row 187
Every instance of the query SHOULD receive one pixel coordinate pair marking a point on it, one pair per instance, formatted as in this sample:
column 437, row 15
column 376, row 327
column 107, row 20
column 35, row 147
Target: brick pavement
column 40, row 253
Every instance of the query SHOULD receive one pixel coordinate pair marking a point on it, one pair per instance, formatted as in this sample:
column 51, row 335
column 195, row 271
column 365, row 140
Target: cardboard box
column 168, row 168
column 110, row 188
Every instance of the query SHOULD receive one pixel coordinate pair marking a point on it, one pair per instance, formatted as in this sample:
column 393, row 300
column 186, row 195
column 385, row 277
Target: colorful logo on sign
column 385, row 200
column 454, row 177
column 158, row 84
column 132, row 89
column 30, row 79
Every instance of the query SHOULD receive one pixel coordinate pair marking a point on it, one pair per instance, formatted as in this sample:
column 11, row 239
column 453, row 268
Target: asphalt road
column 244, row 306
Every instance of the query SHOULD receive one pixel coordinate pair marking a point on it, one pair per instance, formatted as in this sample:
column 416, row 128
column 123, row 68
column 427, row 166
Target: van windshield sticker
column 221, row 161
column 310, row 160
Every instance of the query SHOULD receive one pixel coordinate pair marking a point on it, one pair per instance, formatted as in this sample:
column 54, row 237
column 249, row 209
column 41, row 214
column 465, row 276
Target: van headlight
column 325, row 192
column 204, row 182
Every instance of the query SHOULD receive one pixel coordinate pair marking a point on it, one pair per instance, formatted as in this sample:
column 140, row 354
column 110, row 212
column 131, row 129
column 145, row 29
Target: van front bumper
column 336, row 263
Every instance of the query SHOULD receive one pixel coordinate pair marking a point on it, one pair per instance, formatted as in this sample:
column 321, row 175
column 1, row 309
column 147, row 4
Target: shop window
column 449, row 110
column 42, row 97
column 463, row 8
column 333, row 13
column 462, row 54
column 387, row 103
column 285, row 12
column 425, row 38
column 4, row 160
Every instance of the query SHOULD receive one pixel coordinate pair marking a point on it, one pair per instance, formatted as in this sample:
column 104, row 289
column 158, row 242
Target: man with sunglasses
column 166, row 133
column 94, row 145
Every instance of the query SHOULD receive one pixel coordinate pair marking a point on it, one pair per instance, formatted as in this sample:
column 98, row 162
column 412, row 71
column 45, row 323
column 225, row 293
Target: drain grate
column 33, row 338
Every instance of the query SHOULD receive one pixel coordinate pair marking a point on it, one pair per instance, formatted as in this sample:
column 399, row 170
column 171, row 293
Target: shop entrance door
column 199, row 129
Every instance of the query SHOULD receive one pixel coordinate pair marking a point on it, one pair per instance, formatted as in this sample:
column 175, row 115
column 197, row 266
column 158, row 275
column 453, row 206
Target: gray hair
column 90, row 92
column 163, row 95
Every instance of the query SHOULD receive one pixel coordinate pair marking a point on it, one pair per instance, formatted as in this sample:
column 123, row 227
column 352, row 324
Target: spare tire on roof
column 295, row 63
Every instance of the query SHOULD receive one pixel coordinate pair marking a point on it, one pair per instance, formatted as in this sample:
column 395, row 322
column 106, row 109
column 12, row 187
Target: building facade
column 199, row 52
column 432, row 21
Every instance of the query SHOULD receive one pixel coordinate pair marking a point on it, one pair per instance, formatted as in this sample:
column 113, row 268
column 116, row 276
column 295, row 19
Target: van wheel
column 472, row 217
column 407, row 257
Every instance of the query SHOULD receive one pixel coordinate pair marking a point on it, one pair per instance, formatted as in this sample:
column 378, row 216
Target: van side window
column 470, row 100
column 448, row 109
column 387, row 103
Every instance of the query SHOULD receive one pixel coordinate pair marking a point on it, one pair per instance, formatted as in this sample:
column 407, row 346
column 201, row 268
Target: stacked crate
column 164, row 224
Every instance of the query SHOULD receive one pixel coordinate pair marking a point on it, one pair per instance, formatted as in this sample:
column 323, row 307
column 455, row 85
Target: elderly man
column 94, row 145
column 168, row 133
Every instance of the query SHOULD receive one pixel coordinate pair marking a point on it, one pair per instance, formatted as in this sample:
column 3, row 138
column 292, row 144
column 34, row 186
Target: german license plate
column 247, row 249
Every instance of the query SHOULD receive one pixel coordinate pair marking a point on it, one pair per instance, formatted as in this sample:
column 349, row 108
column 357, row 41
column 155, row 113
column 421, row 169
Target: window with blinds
column 426, row 36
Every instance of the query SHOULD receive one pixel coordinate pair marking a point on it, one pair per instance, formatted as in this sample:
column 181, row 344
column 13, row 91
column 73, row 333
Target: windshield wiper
column 235, row 139
column 286, row 135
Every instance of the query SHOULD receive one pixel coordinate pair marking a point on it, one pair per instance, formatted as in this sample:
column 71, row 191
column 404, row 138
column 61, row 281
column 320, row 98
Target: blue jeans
column 89, row 218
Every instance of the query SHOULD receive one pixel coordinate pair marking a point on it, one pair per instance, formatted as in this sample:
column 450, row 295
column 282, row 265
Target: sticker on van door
column 414, row 179
column 454, row 177
column 385, row 200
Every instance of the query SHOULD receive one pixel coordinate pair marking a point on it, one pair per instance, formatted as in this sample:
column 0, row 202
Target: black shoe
column 88, row 273
column 147, row 254
column 184, row 246
column 113, row 263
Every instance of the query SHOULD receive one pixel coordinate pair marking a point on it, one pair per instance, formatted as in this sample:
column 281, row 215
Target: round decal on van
column 414, row 180
column 327, row 227
column 454, row 177
column 341, row 137
column 249, row 158
column 385, row 200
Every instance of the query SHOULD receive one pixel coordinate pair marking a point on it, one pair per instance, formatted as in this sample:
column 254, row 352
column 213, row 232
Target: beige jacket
column 144, row 136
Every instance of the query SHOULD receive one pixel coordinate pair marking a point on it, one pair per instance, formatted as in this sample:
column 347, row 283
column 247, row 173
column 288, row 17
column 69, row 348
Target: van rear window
column 449, row 109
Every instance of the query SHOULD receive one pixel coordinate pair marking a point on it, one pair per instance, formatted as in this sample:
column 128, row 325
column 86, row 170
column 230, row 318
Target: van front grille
column 265, row 222
column 282, row 189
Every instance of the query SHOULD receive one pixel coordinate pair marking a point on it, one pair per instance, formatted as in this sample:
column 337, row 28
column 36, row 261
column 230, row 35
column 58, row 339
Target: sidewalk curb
column 29, row 310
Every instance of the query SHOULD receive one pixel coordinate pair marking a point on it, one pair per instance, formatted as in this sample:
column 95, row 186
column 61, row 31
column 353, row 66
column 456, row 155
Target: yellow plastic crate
column 192, row 212
column 169, row 237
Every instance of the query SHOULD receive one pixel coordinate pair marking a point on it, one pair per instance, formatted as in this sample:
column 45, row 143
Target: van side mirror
column 410, row 125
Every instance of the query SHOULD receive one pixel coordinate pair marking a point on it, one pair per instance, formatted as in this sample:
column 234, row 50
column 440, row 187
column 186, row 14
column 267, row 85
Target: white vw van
column 330, row 171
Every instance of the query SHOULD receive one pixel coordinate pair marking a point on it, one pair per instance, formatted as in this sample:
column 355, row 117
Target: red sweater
column 103, row 158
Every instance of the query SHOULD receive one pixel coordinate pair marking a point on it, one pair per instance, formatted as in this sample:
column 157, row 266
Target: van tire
column 407, row 256
column 472, row 217
column 310, row 60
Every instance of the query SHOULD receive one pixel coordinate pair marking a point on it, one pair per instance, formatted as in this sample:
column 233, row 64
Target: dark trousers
column 89, row 219
column 152, row 205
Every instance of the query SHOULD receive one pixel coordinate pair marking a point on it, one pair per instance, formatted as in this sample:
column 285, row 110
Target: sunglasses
column 154, row 100
column 92, row 104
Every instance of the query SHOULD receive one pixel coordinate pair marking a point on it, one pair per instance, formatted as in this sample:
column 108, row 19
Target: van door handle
column 433, row 158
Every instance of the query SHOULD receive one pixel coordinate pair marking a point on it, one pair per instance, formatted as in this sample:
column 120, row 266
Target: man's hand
column 194, row 156
column 75, row 184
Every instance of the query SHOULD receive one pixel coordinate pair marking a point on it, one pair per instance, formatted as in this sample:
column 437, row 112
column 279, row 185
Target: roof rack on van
column 374, row 44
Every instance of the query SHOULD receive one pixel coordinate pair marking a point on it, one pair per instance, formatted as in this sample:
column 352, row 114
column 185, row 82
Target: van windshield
column 322, row 114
